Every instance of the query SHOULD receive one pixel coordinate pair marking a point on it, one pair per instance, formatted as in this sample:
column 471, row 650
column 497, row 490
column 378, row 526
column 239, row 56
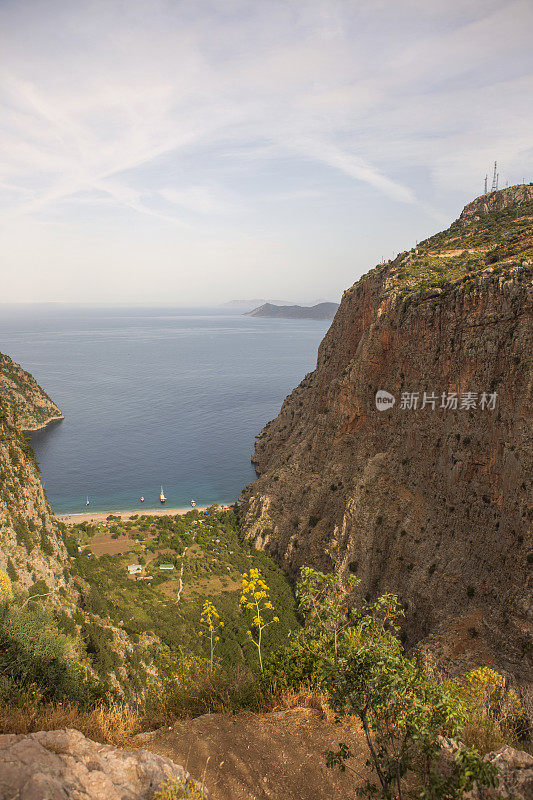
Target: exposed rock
column 29, row 406
column 515, row 776
column 56, row 765
column 31, row 545
column 497, row 201
column 430, row 503
column 31, row 542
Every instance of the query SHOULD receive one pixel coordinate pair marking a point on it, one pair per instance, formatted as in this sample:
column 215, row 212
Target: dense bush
column 35, row 654
column 359, row 659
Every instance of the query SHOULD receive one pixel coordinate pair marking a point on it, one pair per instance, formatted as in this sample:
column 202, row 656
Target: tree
column 403, row 713
column 255, row 599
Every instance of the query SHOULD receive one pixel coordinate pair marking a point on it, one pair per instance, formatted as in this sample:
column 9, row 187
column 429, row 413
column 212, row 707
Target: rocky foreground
column 55, row 765
column 64, row 765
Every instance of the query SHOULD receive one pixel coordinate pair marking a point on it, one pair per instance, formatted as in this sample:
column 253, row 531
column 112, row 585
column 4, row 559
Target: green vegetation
column 349, row 654
column 357, row 656
column 256, row 603
column 36, row 657
column 177, row 790
column 213, row 557
column 500, row 240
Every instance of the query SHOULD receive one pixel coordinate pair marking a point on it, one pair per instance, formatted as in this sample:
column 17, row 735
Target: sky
column 193, row 153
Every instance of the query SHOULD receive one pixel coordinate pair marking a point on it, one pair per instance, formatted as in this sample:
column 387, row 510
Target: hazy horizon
column 188, row 154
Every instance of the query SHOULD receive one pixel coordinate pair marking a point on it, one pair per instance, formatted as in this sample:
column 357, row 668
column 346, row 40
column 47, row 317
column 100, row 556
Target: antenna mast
column 485, row 192
column 495, row 178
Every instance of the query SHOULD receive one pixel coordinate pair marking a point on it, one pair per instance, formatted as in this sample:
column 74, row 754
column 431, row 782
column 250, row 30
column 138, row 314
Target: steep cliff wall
column 31, row 544
column 27, row 403
column 429, row 502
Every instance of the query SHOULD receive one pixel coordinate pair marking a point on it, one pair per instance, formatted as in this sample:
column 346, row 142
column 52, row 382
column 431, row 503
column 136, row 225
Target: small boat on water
column 142, row 499
column 193, row 503
column 162, row 497
column 87, row 501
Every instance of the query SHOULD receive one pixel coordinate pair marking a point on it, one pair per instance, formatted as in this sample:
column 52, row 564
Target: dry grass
column 115, row 724
column 303, row 697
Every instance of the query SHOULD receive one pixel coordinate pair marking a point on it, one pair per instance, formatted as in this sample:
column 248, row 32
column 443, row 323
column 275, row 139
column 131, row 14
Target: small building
column 134, row 569
column 166, row 566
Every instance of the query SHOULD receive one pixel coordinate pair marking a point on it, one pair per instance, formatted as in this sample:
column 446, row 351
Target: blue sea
column 154, row 397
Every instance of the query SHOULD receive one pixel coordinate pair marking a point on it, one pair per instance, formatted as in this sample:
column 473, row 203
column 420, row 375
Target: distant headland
column 319, row 311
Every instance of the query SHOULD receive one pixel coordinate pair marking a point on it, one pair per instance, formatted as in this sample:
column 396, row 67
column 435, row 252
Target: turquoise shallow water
column 154, row 397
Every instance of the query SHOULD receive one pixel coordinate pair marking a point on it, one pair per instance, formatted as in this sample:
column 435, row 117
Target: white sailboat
column 162, row 497
column 87, row 501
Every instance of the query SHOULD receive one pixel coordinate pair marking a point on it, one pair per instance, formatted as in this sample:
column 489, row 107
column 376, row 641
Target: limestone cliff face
column 31, row 544
column 428, row 502
column 27, row 403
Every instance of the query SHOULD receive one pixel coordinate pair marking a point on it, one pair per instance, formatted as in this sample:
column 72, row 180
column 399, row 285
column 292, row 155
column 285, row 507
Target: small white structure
column 134, row 569
column 166, row 566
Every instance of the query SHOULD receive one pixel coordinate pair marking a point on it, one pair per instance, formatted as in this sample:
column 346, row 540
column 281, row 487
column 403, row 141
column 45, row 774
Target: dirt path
column 178, row 597
column 275, row 756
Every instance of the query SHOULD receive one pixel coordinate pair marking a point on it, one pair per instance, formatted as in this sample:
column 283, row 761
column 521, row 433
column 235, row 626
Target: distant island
column 320, row 311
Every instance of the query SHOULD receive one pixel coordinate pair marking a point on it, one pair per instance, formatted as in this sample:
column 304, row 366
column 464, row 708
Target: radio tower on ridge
column 485, row 192
column 495, row 178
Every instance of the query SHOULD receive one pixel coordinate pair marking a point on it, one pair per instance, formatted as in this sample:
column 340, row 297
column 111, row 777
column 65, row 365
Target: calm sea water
column 154, row 397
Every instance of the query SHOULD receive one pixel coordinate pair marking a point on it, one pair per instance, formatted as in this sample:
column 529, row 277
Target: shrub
column 402, row 712
column 293, row 666
column 11, row 571
column 34, row 653
column 46, row 544
column 179, row 790
column 496, row 714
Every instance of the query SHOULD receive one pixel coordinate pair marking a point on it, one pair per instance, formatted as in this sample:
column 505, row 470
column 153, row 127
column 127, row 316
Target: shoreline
column 101, row 516
column 44, row 425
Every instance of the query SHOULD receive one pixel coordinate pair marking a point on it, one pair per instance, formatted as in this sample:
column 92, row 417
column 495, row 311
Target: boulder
column 515, row 773
column 65, row 765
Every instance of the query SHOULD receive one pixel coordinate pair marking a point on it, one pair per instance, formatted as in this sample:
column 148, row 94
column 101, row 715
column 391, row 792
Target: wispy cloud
column 192, row 113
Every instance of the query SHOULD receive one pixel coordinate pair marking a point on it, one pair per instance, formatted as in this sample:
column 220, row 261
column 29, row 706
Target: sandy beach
column 101, row 516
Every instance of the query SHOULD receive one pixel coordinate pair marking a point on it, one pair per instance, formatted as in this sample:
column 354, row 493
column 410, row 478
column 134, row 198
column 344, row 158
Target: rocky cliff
column 33, row 552
column 427, row 497
column 31, row 544
column 29, row 406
